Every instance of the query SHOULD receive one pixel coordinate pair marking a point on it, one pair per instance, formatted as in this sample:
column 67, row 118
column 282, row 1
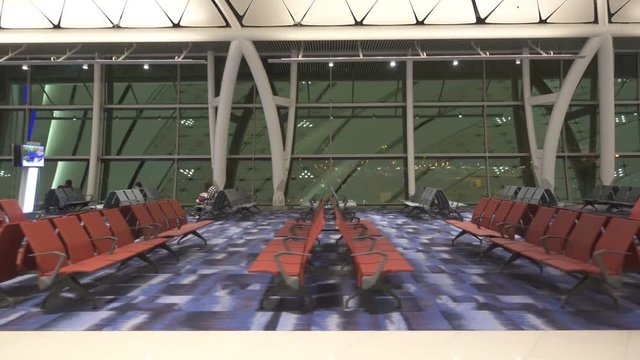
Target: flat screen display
column 32, row 155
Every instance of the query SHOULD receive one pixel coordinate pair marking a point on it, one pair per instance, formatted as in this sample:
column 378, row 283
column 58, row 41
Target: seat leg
column 170, row 251
column 199, row 236
column 122, row 264
column 54, row 291
column 460, row 234
column 579, row 286
column 8, row 299
column 269, row 293
column 149, row 262
column 308, row 302
column 388, row 291
column 510, row 260
column 358, row 292
column 489, row 248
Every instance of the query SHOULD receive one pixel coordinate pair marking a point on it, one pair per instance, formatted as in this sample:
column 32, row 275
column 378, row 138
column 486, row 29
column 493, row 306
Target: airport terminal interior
column 451, row 165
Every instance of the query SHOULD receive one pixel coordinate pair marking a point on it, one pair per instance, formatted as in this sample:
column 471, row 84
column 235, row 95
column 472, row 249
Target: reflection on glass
column 449, row 130
column 9, row 179
column 61, row 85
column 504, row 81
column 193, row 84
column 14, row 90
column 545, row 77
column 442, row 81
column 582, row 174
column 192, row 175
column 463, row 180
column 140, row 132
column 251, row 177
column 581, row 129
column 627, row 171
column 64, row 132
column 54, row 173
column 133, row 84
column 541, row 115
column 194, row 132
column 507, row 130
column 503, row 172
column 118, row 175
column 627, row 128
column 11, row 123
column 626, row 77
column 588, row 86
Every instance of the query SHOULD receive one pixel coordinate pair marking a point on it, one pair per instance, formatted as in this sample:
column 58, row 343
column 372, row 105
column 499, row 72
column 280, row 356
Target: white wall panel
column 422, row 8
column 452, row 12
column 515, row 12
column 83, row 14
column 360, row 8
column 614, row 5
column 298, row 8
column 574, row 11
column 630, row 13
column 548, row 7
column 202, row 13
column 241, row 6
column 52, row 9
column 485, row 7
column 173, row 8
column 144, row 14
column 391, row 12
column 267, row 13
column 329, row 12
column 20, row 14
column 112, row 8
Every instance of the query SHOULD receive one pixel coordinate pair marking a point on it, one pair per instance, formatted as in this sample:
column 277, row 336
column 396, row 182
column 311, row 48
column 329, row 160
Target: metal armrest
column 114, row 242
column 370, row 280
column 153, row 226
column 172, row 218
column 544, row 239
column 373, row 240
column 510, row 226
column 597, row 256
column 46, row 281
column 291, row 281
column 478, row 218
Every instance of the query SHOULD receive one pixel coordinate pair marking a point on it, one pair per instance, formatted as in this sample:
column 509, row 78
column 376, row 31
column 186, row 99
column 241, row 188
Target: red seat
column 10, row 241
column 154, row 223
column 490, row 225
column 12, row 210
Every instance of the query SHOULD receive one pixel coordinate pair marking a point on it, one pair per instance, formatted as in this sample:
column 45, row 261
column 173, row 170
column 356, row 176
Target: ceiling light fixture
column 85, row 66
column 392, row 64
column 518, row 61
column 145, row 66
column 455, row 62
column 25, row 67
column 330, row 63
column 387, row 59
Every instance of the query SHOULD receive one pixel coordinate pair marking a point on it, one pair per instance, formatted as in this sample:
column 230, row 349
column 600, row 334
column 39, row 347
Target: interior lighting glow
column 518, row 61
column 392, row 64
column 25, row 67
column 85, row 66
column 331, row 64
column 455, row 63
column 145, row 66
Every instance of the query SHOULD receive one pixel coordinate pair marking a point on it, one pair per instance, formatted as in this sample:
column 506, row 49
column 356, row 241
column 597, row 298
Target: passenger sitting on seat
column 67, row 184
column 204, row 196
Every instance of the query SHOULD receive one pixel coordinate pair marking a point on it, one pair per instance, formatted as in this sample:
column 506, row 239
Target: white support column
column 229, row 78
column 291, row 120
column 96, row 132
column 411, row 151
column 556, row 120
column 528, row 115
column 211, row 97
column 607, row 110
column 271, row 116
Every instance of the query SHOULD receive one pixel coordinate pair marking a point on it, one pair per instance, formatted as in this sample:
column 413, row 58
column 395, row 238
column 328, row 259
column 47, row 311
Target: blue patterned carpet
column 210, row 289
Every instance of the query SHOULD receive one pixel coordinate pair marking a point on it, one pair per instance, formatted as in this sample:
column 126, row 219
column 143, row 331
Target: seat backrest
column 621, row 195
column 158, row 216
column 12, row 210
column 10, row 241
column 42, row 238
column 63, row 199
column 3, row 219
column 482, row 204
column 597, row 192
column 635, row 211
column 177, row 208
column 169, row 213
column 608, row 193
column 583, row 237
column 428, row 196
column 524, row 193
column 119, row 226
column 633, row 195
column 499, row 216
column 535, row 196
column 137, row 194
column 561, row 226
column 548, row 198
column 617, row 236
column 96, row 227
column 75, row 238
column 143, row 217
column 487, row 214
column 516, row 214
column 539, row 224
column 130, row 196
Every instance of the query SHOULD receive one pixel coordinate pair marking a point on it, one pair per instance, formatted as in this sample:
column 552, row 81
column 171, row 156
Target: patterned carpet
column 210, row 289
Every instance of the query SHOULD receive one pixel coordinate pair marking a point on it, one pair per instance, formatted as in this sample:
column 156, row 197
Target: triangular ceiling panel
column 515, row 12
column 615, row 5
column 173, row 8
column 329, row 12
column 422, row 8
column 360, row 8
column 241, row 6
column 547, row 7
column 83, row 14
column 144, row 14
column 485, row 7
column 202, row 13
column 267, row 13
column 391, row 12
column 112, row 9
column 452, row 12
column 628, row 14
column 298, row 8
column 573, row 11
column 20, row 14
column 52, row 9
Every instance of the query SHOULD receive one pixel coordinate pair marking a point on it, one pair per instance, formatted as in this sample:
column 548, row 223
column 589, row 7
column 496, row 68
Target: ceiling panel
column 391, row 12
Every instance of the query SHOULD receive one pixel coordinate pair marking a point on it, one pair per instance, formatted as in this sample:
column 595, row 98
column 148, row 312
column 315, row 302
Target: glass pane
column 248, row 133
column 118, row 175
column 367, row 131
column 541, row 115
column 194, row 132
column 463, row 180
column 251, row 177
column 507, row 130
column 193, row 84
column 9, row 180
column 11, row 123
column 504, row 81
column 55, row 173
column 588, row 86
column 13, row 85
column 192, row 175
column 442, row 81
column 627, row 129
column 133, row 84
column 449, row 130
column 61, row 85
column 627, row 171
column 560, row 188
column 63, row 132
column 582, row 172
column 626, row 74
column 503, row 172
column 545, row 77
column 353, row 178
column 140, row 132
column 581, row 129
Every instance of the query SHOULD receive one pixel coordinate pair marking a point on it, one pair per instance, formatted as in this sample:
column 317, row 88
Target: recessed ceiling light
column 85, row 66
column 455, row 62
column 392, row 64
column 330, row 63
column 145, row 66
column 25, row 67
column 518, row 61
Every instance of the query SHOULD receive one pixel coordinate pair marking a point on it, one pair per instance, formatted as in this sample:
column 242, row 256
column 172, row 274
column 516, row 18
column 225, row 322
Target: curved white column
column 528, row 115
column 411, row 151
column 211, row 97
column 229, row 78
column 552, row 135
column 291, row 121
column 271, row 116
column 96, row 132
column 607, row 110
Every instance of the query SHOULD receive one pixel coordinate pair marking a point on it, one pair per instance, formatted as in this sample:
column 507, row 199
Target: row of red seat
column 595, row 247
column 75, row 244
column 373, row 256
